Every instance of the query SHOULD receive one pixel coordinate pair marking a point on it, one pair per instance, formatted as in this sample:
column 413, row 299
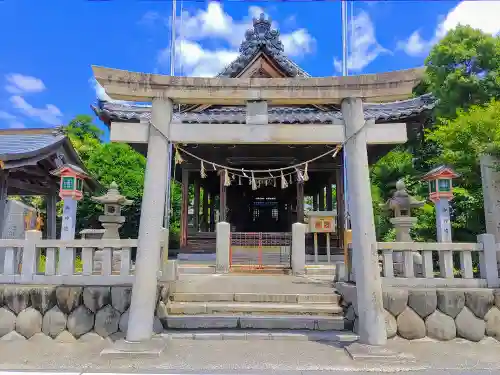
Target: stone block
column 350, row 314
column 157, row 325
column 68, row 298
column 292, row 322
column 187, row 308
column 16, row 298
column 120, row 297
column 80, row 321
column 391, row 325
column 161, row 313
column 265, row 297
column 479, row 301
column 29, row 322
column 54, row 322
column 318, row 298
column 206, row 322
column 43, row 298
column 410, row 325
column 492, row 319
column 96, row 297
column 13, row 336
column 65, row 337
column 469, row 326
column 7, row 321
column 496, row 296
column 90, row 337
column 204, row 297
column 395, row 300
column 348, row 295
column 123, row 323
column 440, row 326
column 40, row 338
column 450, row 301
column 106, row 321
column 423, row 302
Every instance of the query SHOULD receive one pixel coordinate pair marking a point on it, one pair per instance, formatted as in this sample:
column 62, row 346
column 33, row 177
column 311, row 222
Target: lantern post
column 70, row 191
column 440, row 182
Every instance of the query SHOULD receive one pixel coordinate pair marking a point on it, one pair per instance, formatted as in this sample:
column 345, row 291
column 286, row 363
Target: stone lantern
column 401, row 204
column 111, row 221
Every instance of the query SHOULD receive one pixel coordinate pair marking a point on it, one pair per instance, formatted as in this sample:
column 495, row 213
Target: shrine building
column 266, row 204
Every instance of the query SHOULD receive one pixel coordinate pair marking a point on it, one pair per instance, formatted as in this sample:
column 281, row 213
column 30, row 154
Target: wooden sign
column 325, row 224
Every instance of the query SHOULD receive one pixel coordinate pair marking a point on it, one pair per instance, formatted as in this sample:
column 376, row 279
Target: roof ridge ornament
column 262, row 36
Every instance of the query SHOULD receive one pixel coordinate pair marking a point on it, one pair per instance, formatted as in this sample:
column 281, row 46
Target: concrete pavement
column 250, row 357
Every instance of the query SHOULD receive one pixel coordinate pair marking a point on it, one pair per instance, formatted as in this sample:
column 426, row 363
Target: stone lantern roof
column 113, row 196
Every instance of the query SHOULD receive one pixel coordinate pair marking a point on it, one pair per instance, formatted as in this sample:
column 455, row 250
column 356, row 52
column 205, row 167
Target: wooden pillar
column 315, row 202
column 196, row 208
column 329, row 200
column 321, row 202
column 300, row 202
column 339, row 186
column 51, row 205
column 184, row 207
column 204, row 223
column 212, row 212
column 222, row 197
column 4, row 179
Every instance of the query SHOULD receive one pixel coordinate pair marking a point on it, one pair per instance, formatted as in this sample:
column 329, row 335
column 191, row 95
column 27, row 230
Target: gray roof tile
column 393, row 111
column 16, row 146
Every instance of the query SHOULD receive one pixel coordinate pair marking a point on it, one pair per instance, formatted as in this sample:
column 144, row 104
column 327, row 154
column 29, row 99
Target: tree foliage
column 463, row 73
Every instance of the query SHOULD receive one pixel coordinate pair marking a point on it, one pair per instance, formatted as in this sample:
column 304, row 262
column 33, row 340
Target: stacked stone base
column 441, row 314
column 70, row 313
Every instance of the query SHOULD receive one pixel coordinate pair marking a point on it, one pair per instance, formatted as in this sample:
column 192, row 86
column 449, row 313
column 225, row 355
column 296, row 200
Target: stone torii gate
column 348, row 92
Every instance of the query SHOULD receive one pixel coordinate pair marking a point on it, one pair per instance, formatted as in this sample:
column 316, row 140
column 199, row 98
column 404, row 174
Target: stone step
column 256, row 297
column 341, row 337
column 251, row 322
column 194, row 308
column 320, row 270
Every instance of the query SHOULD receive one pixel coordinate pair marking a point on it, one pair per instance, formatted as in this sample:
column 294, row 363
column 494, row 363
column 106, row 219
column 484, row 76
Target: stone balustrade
column 484, row 251
column 66, row 262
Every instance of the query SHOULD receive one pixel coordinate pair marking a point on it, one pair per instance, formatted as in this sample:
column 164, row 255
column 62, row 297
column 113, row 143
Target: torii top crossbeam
column 143, row 87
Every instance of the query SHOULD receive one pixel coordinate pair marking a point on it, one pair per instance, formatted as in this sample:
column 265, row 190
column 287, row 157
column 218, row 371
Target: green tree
column 463, row 69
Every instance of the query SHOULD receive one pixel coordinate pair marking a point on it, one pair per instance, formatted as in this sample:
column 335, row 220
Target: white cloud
column 50, row 114
column 12, row 121
column 481, row 15
column 6, row 116
column 364, row 46
column 197, row 61
column 19, row 84
column 214, row 23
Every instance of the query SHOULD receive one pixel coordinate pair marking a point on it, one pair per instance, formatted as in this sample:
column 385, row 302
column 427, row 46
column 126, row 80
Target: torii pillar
column 371, row 327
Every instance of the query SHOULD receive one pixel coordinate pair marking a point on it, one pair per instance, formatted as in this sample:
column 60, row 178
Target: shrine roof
column 380, row 112
column 30, row 154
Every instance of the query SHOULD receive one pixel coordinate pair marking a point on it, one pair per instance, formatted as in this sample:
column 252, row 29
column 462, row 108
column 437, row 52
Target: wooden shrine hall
column 269, row 207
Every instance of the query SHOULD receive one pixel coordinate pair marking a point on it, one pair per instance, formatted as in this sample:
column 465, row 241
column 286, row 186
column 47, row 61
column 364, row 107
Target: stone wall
column 70, row 313
column 441, row 314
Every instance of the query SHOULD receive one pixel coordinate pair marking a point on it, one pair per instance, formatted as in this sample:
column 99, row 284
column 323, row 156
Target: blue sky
column 48, row 47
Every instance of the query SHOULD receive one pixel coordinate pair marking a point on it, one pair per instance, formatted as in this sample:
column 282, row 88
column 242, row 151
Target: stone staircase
column 254, row 303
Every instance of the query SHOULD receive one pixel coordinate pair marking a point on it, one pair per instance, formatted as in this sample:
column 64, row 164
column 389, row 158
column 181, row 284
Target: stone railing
column 426, row 275
column 39, row 261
